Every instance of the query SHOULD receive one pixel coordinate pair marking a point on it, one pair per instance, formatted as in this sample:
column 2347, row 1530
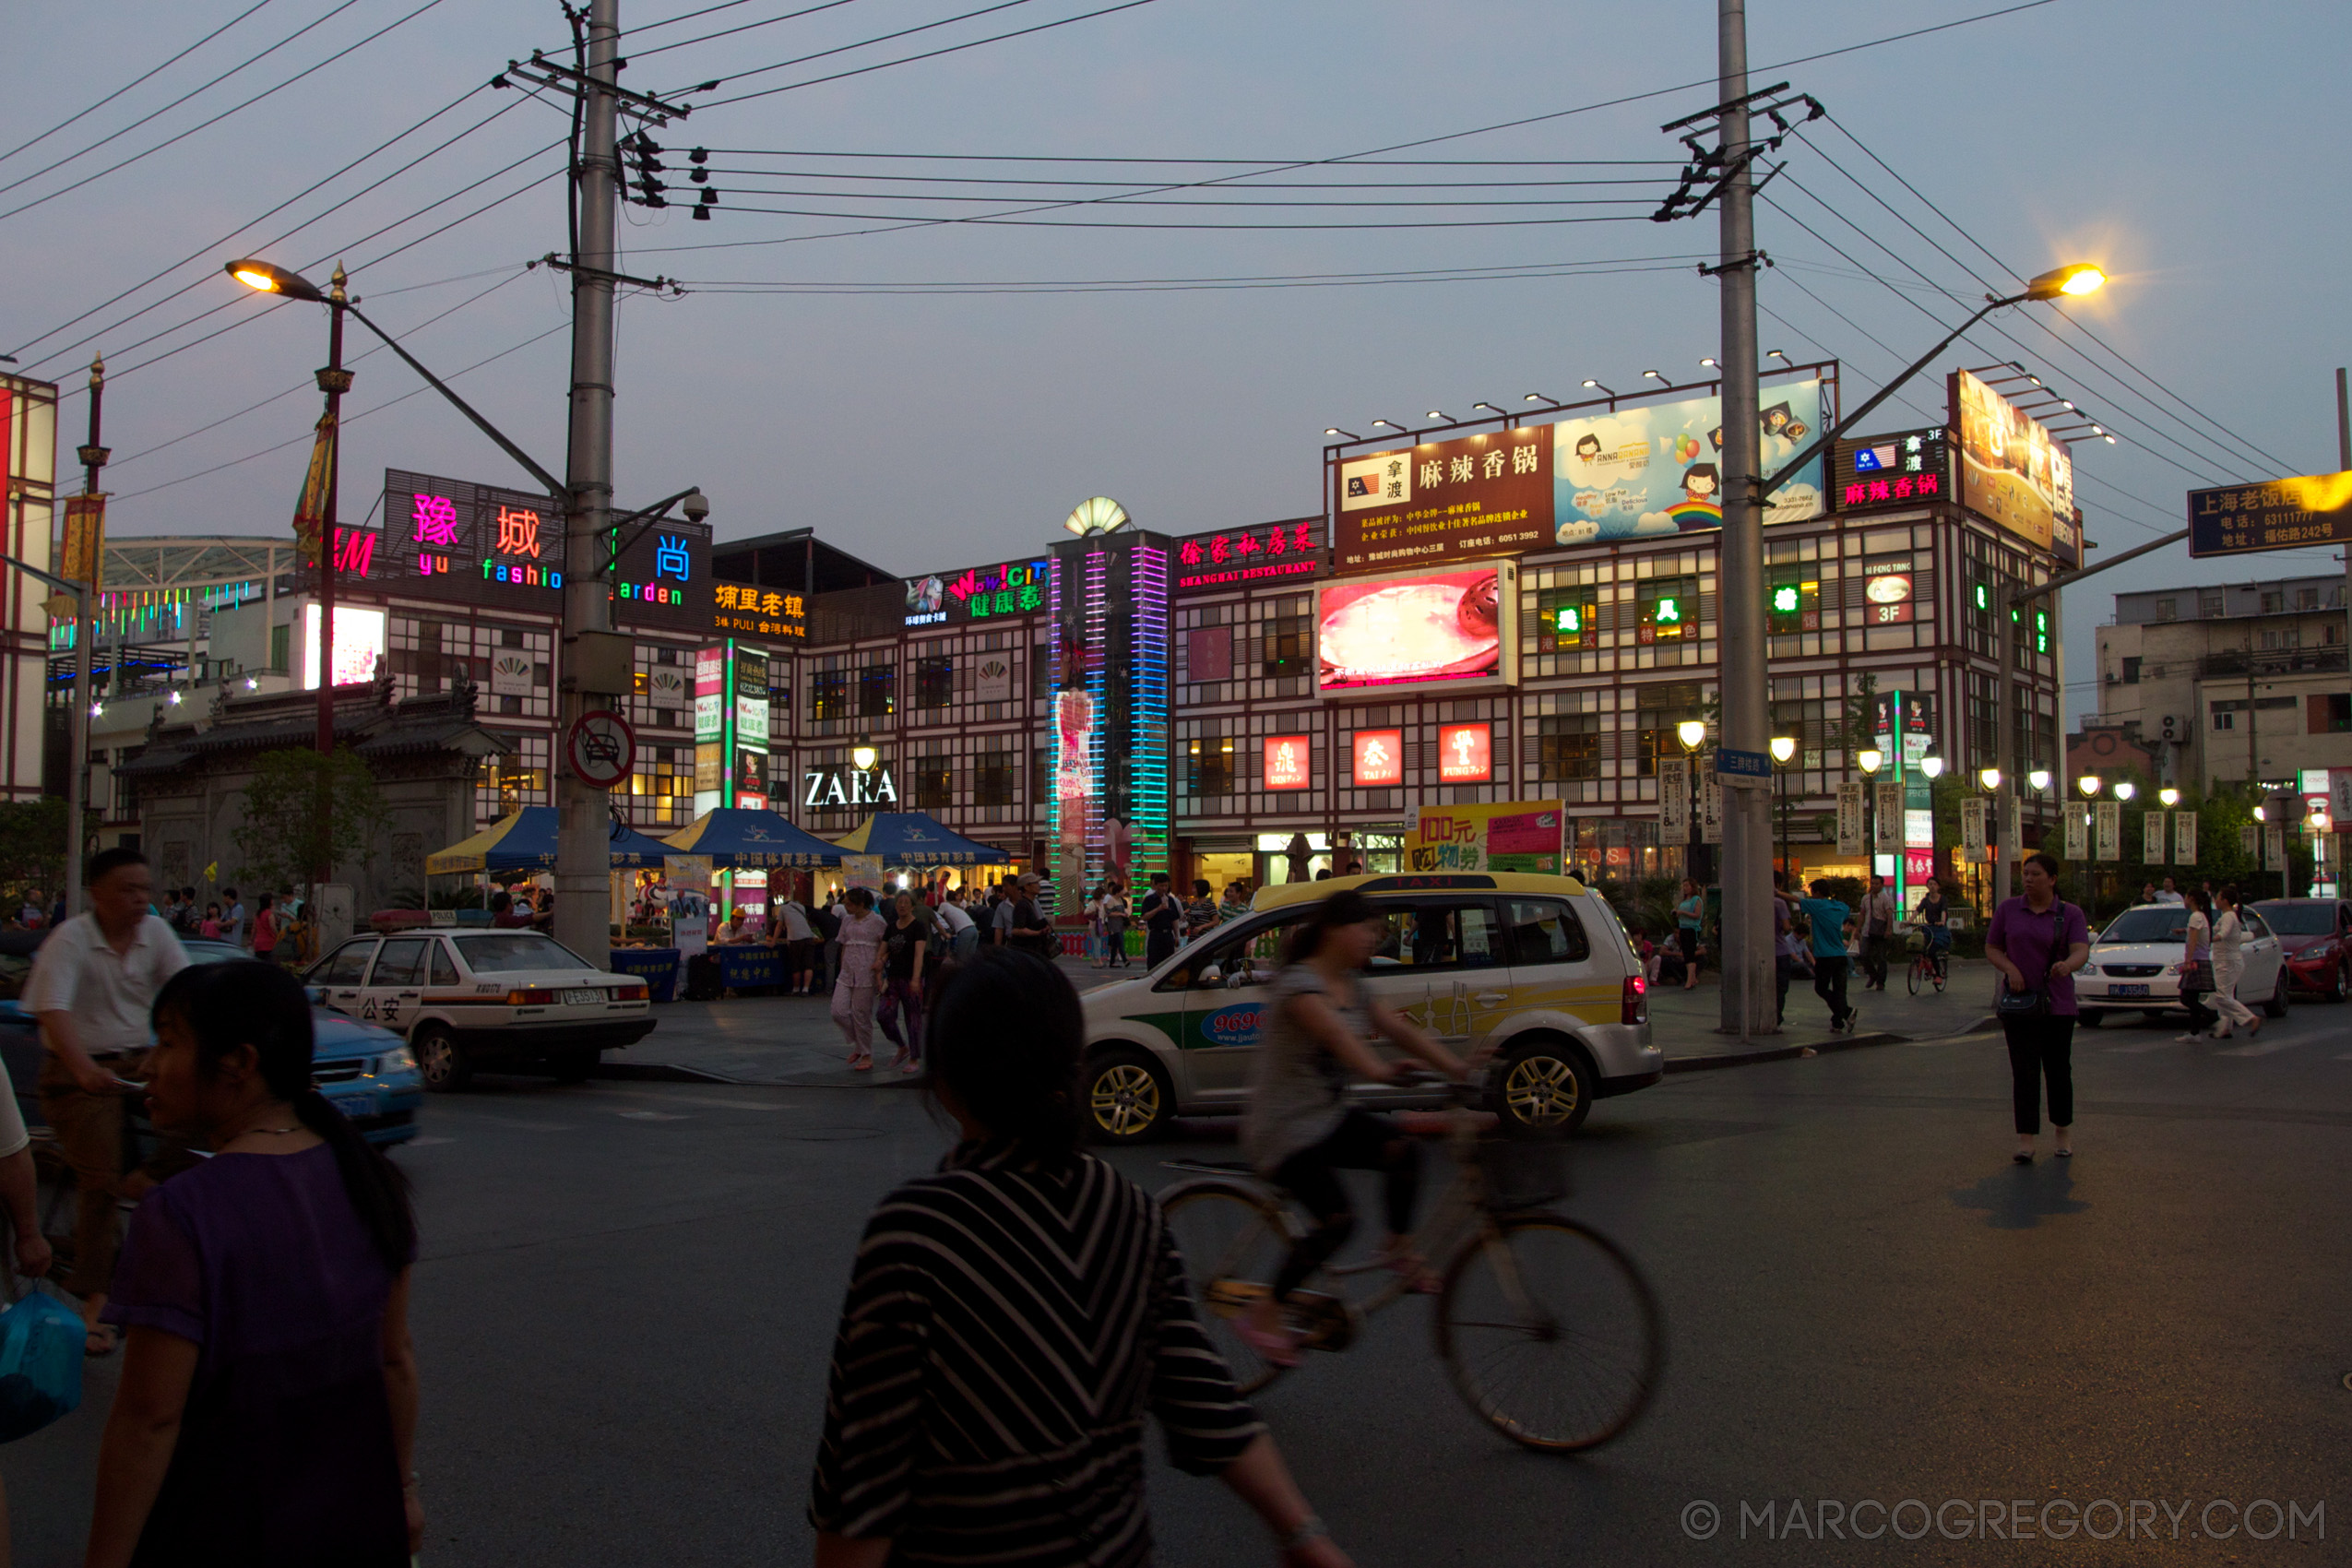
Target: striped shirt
column 1007, row 1324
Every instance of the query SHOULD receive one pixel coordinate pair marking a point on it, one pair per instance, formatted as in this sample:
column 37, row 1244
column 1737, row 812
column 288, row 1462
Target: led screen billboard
column 359, row 644
column 1658, row 468
column 1429, row 631
column 2013, row 473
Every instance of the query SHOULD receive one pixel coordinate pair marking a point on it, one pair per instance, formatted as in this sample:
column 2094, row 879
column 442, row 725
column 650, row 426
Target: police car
column 513, row 1000
column 1531, row 974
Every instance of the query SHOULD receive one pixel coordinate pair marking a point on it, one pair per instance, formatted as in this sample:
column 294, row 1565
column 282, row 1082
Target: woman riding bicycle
column 1299, row 1129
column 1936, row 919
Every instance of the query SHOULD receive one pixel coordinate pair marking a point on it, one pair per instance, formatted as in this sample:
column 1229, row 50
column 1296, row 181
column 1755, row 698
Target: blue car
column 364, row 1071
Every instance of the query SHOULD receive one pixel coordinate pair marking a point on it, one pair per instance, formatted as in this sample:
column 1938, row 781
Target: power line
column 1361, row 160
column 635, row 53
column 1079, row 223
column 714, row 170
column 1523, row 121
column 225, row 113
column 1180, row 285
column 1641, row 201
column 912, row 59
column 135, row 81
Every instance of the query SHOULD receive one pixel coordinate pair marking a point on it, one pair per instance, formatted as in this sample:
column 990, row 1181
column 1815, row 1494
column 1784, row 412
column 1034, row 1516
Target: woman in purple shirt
column 2038, row 940
column 269, row 1399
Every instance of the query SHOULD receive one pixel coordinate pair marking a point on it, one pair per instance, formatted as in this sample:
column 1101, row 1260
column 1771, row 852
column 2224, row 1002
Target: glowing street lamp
column 2088, row 784
column 1933, row 766
column 1782, row 748
column 1691, row 732
column 2126, row 790
column 2039, row 779
column 863, row 755
column 1990, row 777
column 2170, row 798
column 1870, row 759
column 1784, row 751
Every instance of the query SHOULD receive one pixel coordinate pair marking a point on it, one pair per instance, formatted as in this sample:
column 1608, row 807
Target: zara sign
column 849, row 787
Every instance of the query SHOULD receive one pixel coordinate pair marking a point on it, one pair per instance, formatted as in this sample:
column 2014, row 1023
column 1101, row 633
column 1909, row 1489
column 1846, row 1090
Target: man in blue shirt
column 1829, row 919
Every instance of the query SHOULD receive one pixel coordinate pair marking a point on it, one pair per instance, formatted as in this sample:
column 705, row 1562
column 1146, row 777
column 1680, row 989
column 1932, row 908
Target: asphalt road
column 628, row 1292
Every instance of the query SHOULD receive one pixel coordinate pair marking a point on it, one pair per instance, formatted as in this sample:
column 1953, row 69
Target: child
column 210, row 928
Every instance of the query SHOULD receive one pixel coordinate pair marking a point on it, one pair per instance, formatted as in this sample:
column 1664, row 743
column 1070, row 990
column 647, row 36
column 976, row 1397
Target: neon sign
column 1379, row 757
column 1274, row 549
column 1466, row 752
column 1013, row 588
column 1286, row 761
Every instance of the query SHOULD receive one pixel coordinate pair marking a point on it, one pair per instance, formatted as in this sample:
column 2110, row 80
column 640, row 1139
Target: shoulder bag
column 2035, row 1003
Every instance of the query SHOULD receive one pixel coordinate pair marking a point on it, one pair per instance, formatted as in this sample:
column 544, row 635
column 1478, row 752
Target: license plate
column 591, row 997
column 2127, row 990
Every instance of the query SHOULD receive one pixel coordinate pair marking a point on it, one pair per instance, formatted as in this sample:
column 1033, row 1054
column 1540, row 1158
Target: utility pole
column 2343, row 465
column 93, row 455
column 1746, row 867
column 334, row 381
column 583, row 858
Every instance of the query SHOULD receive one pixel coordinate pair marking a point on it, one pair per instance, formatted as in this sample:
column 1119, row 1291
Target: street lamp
column 2088, row 784
column 2170, row 798
column 1784, row 751
column 863, row 755
column 1691, row 732
column 2126, row 790
column 1870, row 759
column 2039, row 779
column 1933, row 766
column 1990, row 777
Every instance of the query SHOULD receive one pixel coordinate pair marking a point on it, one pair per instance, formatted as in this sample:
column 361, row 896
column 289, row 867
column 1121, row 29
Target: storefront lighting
column 1597, row 386
column 1870, row 759
column 1782, row 748
column 1335, row 430
column 1654, row 376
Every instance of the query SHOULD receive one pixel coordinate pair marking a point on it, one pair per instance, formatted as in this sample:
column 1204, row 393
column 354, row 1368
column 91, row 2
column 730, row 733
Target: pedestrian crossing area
column 2270, row 1041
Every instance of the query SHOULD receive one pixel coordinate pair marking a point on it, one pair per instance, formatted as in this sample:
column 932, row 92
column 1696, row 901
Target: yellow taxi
column 1531, row 975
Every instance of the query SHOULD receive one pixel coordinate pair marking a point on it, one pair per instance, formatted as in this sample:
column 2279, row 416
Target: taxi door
column 1444, row 966
column 397, row 984
column 343, row 976
column 1226, row 983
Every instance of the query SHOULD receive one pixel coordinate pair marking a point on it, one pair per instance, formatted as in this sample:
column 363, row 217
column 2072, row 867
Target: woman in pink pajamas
column 854, row 992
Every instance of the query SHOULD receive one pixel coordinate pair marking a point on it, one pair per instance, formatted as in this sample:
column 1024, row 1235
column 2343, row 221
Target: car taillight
column 531, row 999
column 1633, row 1002
column 629, row 993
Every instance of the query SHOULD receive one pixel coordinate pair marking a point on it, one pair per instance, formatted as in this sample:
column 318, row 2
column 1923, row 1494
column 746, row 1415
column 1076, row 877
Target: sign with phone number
column 2281, row 513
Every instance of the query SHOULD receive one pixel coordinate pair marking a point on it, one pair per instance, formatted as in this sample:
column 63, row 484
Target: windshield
column 2149, row 922
column 507, row 951
column 2298, row 920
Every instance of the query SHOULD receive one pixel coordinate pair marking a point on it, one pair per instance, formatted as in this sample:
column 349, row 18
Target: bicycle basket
column 1915, row 942
column 1524, row 1173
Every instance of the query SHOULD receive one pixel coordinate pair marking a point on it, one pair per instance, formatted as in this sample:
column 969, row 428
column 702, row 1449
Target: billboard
column 663, row 576
column 1460, row 500
column 1658, row 469
column 2284, row 514
column 2013, row 473
column 1291, row 548
column 1524, row 835
column 450, row 538
column 1902, row 470
column 1429, row 631
column 359, row 644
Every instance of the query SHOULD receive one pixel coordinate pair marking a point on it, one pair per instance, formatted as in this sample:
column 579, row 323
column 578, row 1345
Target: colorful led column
column 1109, row 781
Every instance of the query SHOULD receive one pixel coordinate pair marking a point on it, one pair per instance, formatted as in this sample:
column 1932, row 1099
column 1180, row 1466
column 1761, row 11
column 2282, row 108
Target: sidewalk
column 1684, row 1022
column 792, row 1040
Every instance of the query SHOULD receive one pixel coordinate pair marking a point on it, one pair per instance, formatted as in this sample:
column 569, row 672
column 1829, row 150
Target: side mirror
column 317, row 994
column 1210, row 975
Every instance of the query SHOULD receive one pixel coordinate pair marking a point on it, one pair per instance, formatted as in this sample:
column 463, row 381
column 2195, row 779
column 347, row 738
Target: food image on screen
column 1441, row 627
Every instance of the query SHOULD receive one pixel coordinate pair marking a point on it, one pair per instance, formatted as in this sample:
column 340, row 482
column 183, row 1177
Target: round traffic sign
column 601, row 749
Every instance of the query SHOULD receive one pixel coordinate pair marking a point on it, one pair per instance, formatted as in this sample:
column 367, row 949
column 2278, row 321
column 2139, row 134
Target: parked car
column 1536, row 971
column 2136, row 965
column 364, row 1071
column 2316, row 936
column 513, row 999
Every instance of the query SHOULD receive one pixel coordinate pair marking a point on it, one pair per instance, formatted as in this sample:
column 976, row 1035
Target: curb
column 1778, row 1052
column 659, row 1073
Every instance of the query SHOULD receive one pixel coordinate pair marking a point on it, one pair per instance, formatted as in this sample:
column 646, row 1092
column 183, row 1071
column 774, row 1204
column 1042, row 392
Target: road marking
column 2260, row 1046
column 714, row 1102
column 424, row 1141
column 521, row 1123
column 2143, row 1046
column 651, row 1116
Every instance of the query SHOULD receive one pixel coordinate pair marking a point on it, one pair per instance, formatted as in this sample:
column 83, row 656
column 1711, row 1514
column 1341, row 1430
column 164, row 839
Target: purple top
column 2033, row 941
column 285, row 1452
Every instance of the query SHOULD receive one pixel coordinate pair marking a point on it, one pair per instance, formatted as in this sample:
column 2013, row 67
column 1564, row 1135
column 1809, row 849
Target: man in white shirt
column 92, row 985
column 962, row 936
column 2168, row 894
column 1878, row 929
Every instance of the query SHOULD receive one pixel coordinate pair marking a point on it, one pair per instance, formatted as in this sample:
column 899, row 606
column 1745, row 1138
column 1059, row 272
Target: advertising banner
column 2152, row 839
column 2110, row 830
column 1643, row 472
column 2078, row 834
column 2011, row 832
column 2013, row 471
column 663, row 576
column 1506, row 836
column 2184, row 839
column 1849, row 817
column 1476, row 496
column 1710, row 800
column 1674, row 801
column 2284, row 514
column 1972, row 828
column 83, row 559
column 1466, row 752
column 1889, row 816
column 1437, row 630
column 2273, row 846
column 862, row 870
column 1293, row 548
column 1893, row 470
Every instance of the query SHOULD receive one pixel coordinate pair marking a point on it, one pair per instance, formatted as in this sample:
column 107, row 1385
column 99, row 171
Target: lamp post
column 1692, row 733
column 1870, row 759
column 1784, row 749
column 1933, row 766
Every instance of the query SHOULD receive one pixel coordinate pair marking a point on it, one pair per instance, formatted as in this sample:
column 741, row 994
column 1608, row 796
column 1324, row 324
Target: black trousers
column 1829, row 984
column 1157, row 944
column 2041, row 1049
column 1874, row 959
column 1784, row 969
column 1361, row 1142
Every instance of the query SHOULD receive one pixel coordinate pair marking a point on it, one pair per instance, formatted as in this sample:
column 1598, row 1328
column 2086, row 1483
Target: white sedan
column 495, row 999
column 2136, row 965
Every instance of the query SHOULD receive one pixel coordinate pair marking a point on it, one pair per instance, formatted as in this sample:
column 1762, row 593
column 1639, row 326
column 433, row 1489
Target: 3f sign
column 850, row 787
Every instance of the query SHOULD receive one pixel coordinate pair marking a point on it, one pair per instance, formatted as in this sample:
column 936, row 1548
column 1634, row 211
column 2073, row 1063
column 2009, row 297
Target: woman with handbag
column 2038, row 940
column 2229, row 966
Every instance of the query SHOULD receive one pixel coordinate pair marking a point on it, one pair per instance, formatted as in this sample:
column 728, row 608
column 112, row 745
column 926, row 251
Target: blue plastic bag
column 41, row 1365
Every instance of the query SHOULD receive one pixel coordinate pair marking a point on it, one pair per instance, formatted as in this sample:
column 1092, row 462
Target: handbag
column 41, row 1365
column 2034, row 1004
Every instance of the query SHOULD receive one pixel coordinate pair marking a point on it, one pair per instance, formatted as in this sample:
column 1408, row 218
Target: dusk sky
column 2188, row 147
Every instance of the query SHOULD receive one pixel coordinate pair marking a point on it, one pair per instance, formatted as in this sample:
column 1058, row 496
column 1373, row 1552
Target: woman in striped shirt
column 1011, row 1319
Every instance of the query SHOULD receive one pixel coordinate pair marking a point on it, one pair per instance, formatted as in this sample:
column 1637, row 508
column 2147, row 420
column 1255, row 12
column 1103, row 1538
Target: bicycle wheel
column 1917, row 965
column 1550, row 1333
column 1233, row 1238
column 1939, row 972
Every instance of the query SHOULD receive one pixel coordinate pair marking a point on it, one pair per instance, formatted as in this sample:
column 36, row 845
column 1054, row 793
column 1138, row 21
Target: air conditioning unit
column 2173, row 729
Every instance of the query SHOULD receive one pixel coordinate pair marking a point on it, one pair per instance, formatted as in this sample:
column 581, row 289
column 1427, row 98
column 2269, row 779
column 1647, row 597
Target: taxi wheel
column 1546, row 1087
column 1127, row 1099
column 440, row 1063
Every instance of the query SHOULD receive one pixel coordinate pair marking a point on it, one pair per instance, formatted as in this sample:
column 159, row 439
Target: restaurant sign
column 2281, row 513
column 1460, row 500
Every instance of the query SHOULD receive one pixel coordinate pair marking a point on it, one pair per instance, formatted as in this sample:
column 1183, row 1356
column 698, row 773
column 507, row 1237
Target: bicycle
column 1930, row 965
column 1529, row 1295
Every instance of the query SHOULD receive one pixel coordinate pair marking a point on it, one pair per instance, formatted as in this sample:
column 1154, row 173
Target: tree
column 281, row 838
column 32, row 844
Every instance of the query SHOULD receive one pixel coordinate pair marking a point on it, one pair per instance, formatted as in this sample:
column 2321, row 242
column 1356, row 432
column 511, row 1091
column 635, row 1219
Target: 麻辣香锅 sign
column 1460, row 500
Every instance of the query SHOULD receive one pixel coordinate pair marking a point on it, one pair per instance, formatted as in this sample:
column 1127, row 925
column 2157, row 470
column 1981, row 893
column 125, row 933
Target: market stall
column 733, row 850
column 916, row 841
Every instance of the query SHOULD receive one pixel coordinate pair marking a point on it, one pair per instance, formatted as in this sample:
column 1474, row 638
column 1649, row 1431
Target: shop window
column 1566, row 618
column 935, row 681
column 1667, row 610
column 877, row 691
column 934, row 784
column 1209, row 766
column 992, row 779
column 1287, row 643
column 1568, row 746
column 829, row 694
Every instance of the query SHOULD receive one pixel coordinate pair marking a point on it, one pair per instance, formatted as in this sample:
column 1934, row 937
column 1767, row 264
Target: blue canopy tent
column 525, row 840
column 735, row 839
column 916, row 838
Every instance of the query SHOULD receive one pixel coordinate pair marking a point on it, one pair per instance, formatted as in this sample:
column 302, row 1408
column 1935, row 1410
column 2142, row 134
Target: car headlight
column 2320, row 950
column 399, row 1059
